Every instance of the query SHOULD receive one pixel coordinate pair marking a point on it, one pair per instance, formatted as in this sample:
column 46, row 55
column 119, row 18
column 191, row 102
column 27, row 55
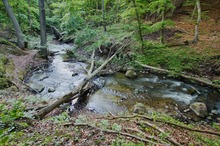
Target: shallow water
column 120, row 93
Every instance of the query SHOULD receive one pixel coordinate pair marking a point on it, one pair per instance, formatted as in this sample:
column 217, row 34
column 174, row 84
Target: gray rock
column 139, row 108
column 74, row 74
column 218, row 120
column 51, row 89
column 37, row 87
column 209, row 117
column 131, row 74
column 200, row 109
column 214, row 112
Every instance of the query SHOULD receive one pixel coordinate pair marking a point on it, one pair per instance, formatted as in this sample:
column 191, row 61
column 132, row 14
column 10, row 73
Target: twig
column 113, row 132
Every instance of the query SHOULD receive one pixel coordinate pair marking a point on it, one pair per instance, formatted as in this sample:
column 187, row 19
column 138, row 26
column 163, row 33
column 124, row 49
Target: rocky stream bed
column 120, row 92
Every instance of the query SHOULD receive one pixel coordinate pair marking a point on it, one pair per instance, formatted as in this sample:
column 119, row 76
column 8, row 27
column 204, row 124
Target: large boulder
column 131, row 74
column 200, row 109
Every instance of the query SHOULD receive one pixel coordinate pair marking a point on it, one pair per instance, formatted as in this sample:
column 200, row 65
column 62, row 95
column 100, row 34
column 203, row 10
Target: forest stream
column 119, row 94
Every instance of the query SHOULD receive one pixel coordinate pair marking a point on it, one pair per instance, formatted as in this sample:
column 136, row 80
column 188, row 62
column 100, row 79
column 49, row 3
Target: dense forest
column 110, row 72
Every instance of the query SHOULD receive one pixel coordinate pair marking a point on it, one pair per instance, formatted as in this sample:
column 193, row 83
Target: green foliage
column 8, row 115
column 91, row 39
column 177, row 60
column 26, row 14
column 3, row 80
column 116, row 127
column 104, row 124
column 62, row 118
column 81, row 119
column 161, row 25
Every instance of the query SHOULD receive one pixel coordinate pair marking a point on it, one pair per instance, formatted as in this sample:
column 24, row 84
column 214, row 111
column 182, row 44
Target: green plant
column 62, row 118
column 116, row 127
column 8, row 117
column 177, row 60
column 104, row 124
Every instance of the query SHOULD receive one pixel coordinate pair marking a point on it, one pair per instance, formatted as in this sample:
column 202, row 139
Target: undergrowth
column 174, row 59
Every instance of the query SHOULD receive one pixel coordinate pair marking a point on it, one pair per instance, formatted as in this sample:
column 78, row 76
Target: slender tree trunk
column 162, row 30
column 29, row 15
column 139, row 24
column 103, row 15
column 196, row 35
column 43, row 34
column 18, row 32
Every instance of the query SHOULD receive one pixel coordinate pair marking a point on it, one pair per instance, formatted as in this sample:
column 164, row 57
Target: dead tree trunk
column 56, row 33
column 18, row 32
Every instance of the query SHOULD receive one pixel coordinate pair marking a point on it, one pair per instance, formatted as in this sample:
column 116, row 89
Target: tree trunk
column 18, row 32
column 103, row 15
column 43, row 34
column 139, row 24
column 196, row 35
column 29, row 15
column 162, row 29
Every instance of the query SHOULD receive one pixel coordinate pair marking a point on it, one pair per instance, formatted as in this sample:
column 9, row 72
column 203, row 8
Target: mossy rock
column 3, row 80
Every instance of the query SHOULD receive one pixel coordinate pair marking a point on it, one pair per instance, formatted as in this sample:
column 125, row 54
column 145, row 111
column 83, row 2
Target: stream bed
column 120, row 94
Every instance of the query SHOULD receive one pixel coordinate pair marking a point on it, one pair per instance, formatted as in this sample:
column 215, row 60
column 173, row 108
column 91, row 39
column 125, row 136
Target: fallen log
column 189, row 78
column 56, row 33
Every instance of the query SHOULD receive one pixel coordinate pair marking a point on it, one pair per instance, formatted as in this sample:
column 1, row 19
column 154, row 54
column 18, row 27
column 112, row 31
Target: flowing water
column 119, row 93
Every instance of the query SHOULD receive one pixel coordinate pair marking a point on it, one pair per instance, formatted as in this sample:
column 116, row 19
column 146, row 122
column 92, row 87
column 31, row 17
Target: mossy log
column 200, row 81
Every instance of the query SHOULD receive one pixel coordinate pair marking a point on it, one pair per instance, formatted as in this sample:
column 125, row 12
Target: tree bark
column 18, row 32
column 103, row 15
column 196, row 35
column 43, row 34
column 42, row 23
column 162, row 29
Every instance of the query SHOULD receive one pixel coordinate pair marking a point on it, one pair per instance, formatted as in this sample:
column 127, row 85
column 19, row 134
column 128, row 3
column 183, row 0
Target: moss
column 3, row 80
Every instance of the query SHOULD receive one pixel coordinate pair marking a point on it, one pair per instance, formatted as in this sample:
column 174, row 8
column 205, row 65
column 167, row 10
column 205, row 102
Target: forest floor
column 87, row 128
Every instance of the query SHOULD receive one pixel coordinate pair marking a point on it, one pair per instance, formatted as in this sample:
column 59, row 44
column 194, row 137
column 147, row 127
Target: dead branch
column 191, row 129
column 92, row 63
column 113, row 132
